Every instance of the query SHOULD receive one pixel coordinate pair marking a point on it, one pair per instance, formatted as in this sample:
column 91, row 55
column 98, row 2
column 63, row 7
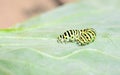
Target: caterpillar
column 81, row 37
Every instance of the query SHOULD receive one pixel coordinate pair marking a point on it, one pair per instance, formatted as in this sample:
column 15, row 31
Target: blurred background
column 16, row 11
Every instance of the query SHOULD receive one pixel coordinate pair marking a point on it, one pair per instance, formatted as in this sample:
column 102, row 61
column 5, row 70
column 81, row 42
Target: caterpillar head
column 62, row 39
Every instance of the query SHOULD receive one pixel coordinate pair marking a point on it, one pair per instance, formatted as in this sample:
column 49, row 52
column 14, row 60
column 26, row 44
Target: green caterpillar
column 81, row 37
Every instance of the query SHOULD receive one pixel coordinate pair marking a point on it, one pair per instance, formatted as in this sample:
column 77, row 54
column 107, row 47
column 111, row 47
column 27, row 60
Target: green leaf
column 31, row 48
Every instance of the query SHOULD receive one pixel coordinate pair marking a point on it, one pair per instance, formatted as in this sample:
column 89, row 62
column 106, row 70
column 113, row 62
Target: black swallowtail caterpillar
column 81, row 37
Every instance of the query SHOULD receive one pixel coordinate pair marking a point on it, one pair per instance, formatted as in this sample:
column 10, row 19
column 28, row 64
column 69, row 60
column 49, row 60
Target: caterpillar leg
column 79, row 42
